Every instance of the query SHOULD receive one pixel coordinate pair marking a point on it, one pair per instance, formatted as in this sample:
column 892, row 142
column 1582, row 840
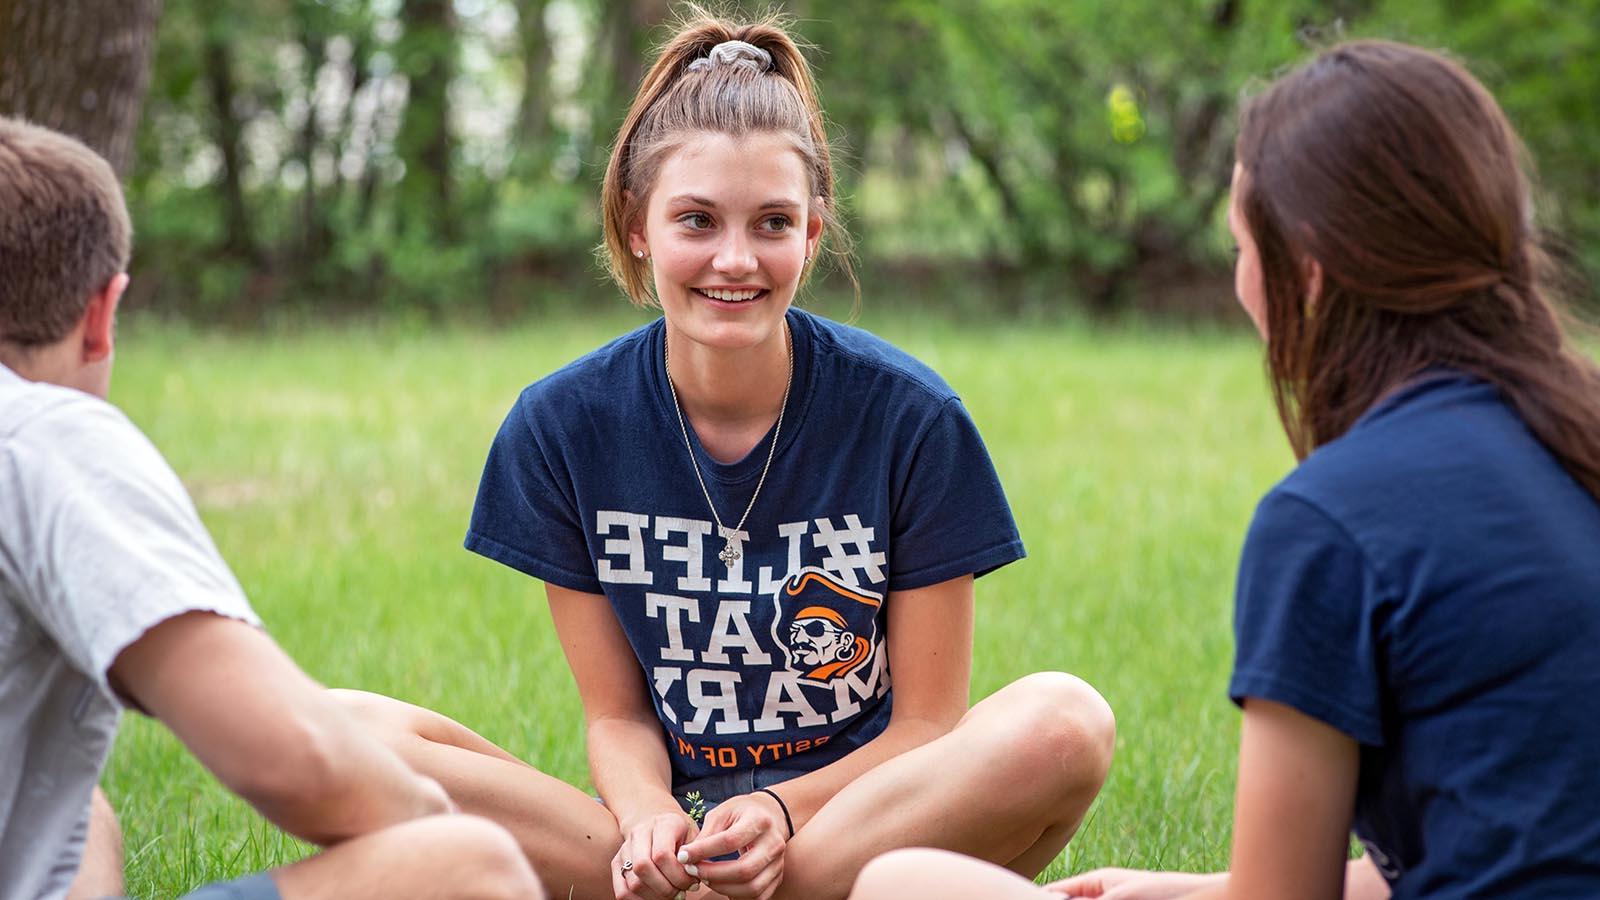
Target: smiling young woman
column 758, row 532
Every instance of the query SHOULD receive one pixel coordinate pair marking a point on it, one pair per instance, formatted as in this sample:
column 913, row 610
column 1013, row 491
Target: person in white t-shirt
column 112, row 595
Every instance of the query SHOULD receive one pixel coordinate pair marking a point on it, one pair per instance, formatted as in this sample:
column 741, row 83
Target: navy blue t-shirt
column 1429, row 584
column 879, row 483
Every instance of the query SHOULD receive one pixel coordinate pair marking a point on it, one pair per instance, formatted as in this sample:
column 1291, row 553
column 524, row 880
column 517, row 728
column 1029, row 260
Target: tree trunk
column 240, row 240
column 427, row 55
column 80, row 67
column 360, row 74
column 533, row 118
column 313, row 228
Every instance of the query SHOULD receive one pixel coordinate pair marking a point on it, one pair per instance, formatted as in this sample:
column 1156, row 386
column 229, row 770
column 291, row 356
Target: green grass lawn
column 336, row 469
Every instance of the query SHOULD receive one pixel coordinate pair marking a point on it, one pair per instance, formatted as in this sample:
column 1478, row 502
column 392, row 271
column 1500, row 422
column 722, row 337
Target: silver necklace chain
column 729, row 553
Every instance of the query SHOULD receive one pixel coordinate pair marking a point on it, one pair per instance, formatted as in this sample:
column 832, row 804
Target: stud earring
column 639, row 253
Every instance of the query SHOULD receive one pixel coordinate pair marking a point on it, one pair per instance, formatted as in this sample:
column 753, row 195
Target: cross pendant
column 729, row 554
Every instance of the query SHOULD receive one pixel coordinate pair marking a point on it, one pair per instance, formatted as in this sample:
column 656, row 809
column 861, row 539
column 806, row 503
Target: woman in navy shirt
column 1418, row 606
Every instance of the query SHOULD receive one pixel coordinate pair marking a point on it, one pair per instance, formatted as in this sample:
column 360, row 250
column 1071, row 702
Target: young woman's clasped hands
column 667, row 854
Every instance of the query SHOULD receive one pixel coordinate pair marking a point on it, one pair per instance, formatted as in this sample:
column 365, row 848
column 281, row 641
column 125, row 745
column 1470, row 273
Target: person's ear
column 100, row 319
column 636, row 242
column 814, row 225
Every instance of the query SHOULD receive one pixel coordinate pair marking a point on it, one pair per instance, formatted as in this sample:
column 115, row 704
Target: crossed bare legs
column 1009, row 784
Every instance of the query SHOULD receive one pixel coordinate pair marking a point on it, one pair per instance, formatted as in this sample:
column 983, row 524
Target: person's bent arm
column 1296, row 797
column 627, row 752
column 268, row 731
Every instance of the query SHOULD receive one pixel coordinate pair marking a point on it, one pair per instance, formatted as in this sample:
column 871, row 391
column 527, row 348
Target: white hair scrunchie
column 734, row 53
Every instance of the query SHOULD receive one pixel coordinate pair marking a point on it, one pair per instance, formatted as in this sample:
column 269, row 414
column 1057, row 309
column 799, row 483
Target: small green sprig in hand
column 697, row 807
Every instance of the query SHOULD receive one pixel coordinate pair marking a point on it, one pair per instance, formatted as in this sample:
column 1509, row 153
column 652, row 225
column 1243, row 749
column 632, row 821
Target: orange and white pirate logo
column 827, row 629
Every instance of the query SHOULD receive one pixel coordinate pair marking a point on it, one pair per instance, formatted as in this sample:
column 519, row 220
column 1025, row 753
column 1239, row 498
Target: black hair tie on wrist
column 781, row 805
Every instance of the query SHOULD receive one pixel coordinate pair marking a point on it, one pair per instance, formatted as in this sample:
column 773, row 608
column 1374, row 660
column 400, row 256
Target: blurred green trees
column 358, row 154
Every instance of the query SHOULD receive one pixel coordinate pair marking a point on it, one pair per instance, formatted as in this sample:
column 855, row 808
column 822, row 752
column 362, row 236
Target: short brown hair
column 675, row 101
column 1396, row 171
column 64, row 232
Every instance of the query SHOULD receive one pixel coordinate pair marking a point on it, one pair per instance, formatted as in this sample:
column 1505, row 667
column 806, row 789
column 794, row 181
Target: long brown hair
column 675, row 102
column 1396, row 172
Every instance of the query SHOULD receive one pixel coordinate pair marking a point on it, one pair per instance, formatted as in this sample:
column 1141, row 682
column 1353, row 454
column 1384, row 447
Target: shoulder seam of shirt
column 1367, row 560
column 927, row 427
column 538, row 442
column 923, row 432
column 948, row 393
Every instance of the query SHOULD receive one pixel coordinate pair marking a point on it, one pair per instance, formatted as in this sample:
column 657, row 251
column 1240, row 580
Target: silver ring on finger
column 627, row 866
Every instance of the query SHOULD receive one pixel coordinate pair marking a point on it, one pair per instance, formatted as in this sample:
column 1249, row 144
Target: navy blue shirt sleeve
column 526, row 515
column 950, row 515
column 1303, row 620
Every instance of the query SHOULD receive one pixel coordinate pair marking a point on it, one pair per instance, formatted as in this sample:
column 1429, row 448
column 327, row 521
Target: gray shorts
column 251, row 887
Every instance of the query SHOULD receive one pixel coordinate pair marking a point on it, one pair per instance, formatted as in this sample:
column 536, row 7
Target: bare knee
column 397, row 721
column 938, row 873
column 448, row 857
column 372, row 710
column 475, row 859
column 392, row 721
column 1055, row 723
column 898, row 873
column 499, row 868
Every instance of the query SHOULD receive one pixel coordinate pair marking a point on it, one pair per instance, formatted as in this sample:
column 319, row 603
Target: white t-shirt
column 99, row 542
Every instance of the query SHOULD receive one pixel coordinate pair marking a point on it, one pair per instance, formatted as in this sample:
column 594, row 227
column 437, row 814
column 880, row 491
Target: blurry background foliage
column 443, row 156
